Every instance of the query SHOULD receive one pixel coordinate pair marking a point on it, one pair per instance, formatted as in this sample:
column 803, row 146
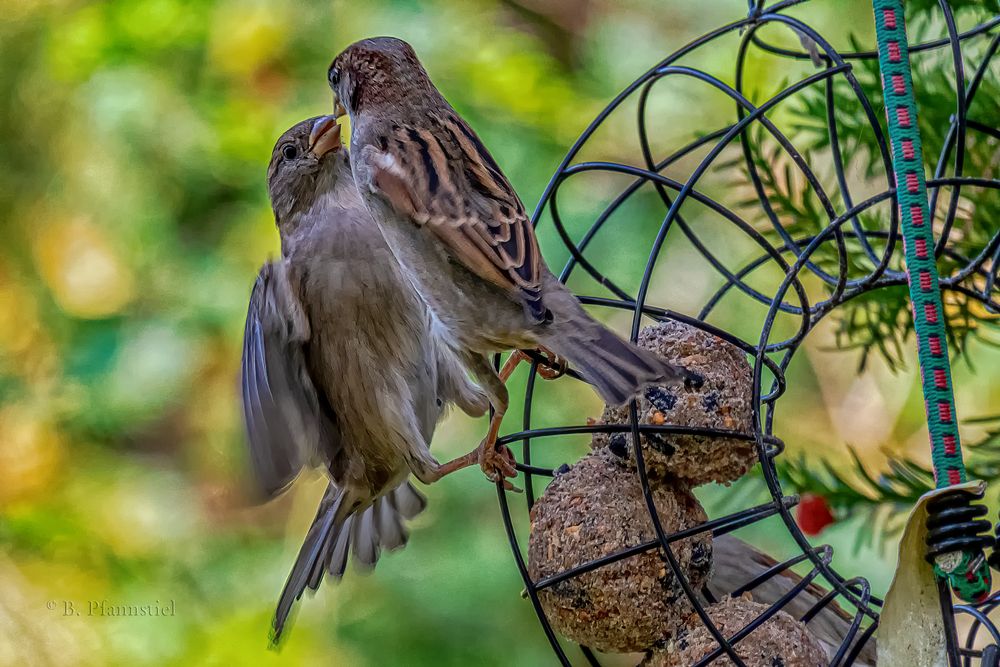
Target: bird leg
column 498, row 463
column 553, row 367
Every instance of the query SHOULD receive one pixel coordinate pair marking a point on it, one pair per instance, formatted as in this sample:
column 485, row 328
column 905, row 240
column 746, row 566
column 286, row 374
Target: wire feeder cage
column 866, row 258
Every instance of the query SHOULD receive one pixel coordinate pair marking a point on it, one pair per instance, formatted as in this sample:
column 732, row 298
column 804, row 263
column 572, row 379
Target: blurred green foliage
column 134, row 138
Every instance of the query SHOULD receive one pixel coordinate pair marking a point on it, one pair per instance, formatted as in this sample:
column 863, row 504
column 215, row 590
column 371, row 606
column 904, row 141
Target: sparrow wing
column 280, row 404
column 442, row 177
column 736, row 563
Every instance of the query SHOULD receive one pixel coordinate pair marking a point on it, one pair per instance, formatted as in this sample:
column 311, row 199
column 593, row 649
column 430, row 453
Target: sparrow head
column 375, row 71
column 308, row 159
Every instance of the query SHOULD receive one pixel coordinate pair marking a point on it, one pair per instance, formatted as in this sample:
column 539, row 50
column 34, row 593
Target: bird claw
column 508, row 486
column 495, row 459
column 498, row 464
column 554, row 366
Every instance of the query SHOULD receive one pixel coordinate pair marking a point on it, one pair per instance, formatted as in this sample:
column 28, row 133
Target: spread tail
column 619, row 370
column 336, row 531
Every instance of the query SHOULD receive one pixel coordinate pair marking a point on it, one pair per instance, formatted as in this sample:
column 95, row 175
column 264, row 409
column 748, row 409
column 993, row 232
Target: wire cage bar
column 857, row 251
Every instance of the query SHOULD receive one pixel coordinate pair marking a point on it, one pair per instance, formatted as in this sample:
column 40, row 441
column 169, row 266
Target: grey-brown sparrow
column 343, row 365
column 736, row 563
column 464, row 238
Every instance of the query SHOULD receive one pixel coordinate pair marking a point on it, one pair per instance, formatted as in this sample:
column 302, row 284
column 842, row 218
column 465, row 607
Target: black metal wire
column 845, row 276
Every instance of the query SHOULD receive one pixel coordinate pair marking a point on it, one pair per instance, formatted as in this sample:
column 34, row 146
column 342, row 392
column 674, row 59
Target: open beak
column 338, row 108
column 325, row 136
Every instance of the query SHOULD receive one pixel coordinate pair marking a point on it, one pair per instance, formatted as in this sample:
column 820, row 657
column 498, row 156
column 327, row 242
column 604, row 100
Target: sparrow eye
column 334, row 76
column 290, row 152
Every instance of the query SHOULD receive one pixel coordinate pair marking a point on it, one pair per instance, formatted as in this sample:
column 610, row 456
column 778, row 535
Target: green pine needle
column 886, row 499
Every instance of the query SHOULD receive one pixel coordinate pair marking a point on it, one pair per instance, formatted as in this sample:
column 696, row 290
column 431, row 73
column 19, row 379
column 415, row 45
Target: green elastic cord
column 969, row 575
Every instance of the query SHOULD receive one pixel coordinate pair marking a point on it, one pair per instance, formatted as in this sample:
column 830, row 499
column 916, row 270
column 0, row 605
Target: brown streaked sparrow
column 343, row 364
column 464, row 238
column 736, row 563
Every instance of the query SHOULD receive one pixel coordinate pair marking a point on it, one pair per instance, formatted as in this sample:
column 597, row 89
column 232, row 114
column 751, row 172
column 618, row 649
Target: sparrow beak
column 338, row 108
column 325, row 136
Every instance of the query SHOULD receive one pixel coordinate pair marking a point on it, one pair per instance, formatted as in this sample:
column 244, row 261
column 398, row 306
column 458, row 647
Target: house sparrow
column 464, row 238
column 343, row 365
column 736, row 563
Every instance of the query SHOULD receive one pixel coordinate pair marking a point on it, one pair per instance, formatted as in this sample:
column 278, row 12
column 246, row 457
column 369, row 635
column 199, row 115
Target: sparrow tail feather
column 338, row 530
column 618, row 369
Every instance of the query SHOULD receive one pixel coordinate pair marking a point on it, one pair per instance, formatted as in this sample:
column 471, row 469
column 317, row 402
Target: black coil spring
column 994, row 559
column 954, row 524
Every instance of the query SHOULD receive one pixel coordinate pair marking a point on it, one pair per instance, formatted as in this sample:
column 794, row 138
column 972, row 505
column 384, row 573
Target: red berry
column 813, row 514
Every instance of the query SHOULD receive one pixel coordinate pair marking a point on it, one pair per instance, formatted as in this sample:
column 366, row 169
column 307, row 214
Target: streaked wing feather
column 445, row 179
column 279, row 401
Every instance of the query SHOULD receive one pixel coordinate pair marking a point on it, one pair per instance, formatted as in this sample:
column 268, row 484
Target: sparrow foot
column 554, row 366
column 498, row 464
